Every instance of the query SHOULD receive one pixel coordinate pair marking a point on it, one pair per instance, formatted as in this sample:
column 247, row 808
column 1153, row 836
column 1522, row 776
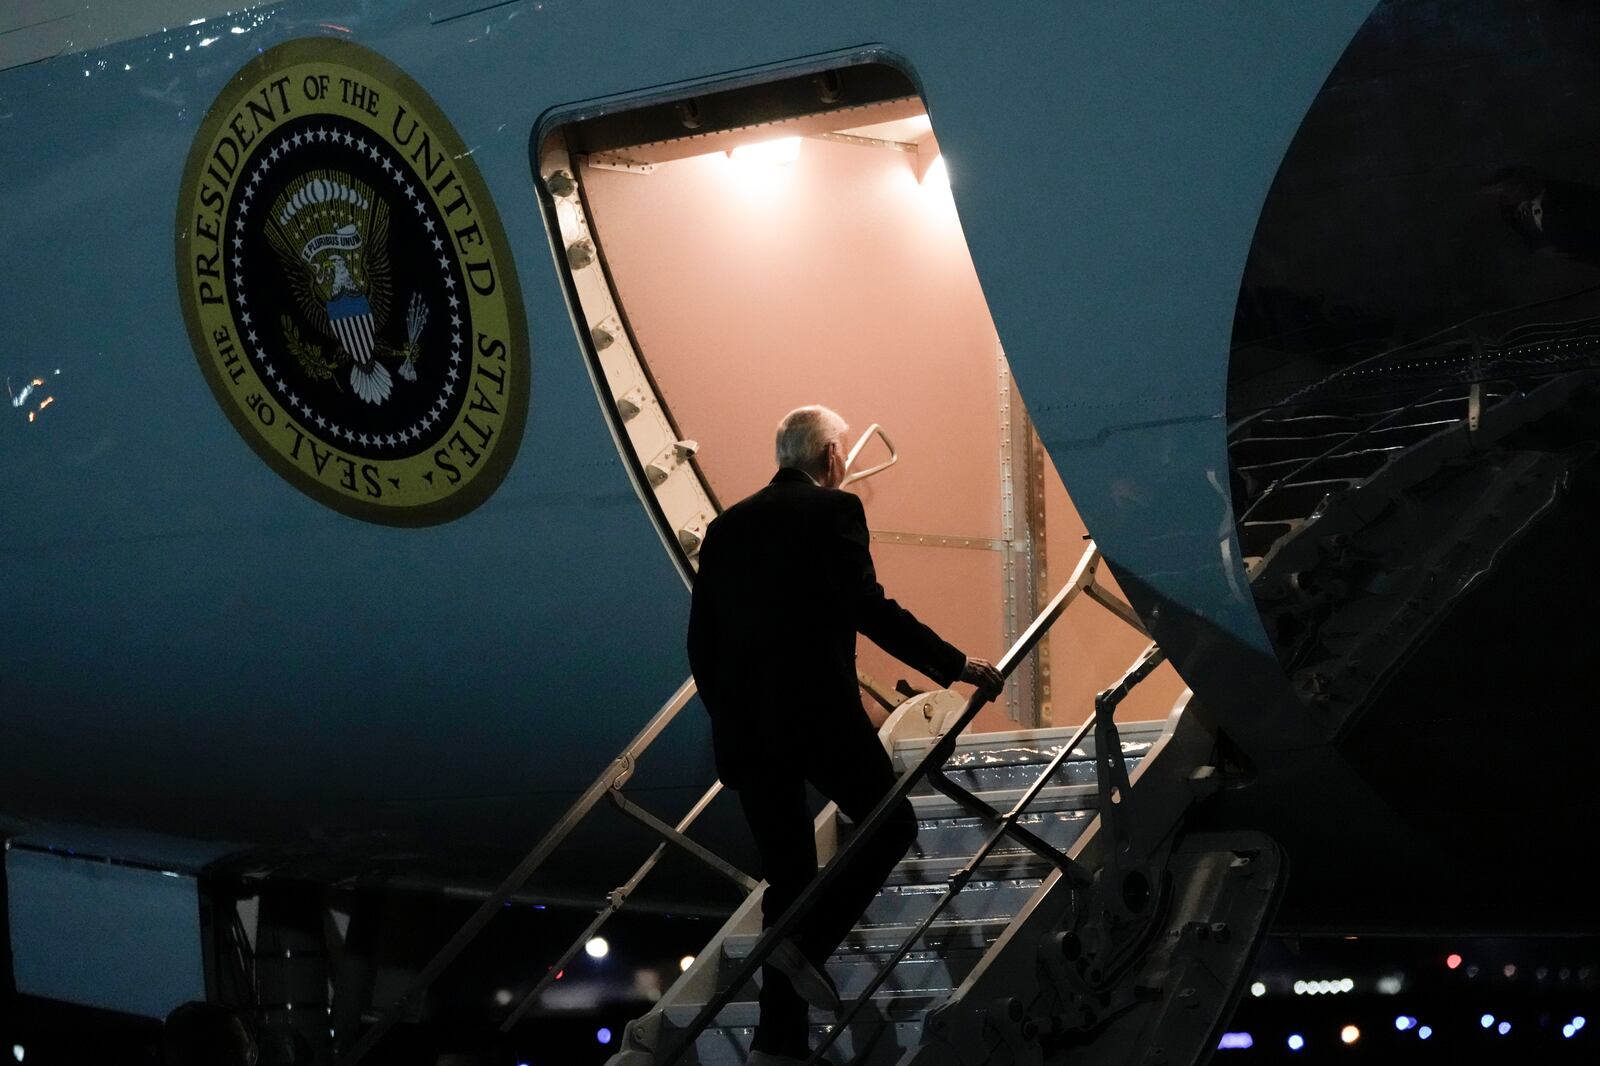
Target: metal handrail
column 938, row 753
column 1340, row 446
column 614, row 776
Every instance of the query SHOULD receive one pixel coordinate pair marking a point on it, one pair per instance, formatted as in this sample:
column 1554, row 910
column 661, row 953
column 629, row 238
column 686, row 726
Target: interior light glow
column 207, row 42
column 1486, row 1021
column 237, row 29
column 1452, row 961
column 777, row 152
column 685, row 962
column 1349, row 1034
column 597, row 947
column 1258, row 989
column 604, row 1035
column 1505, row 1027
column 31, row 414
column 1235, row 1040
column 48, row 400
column 937, row 176
column 1425, row 1032
column 1296, row 1041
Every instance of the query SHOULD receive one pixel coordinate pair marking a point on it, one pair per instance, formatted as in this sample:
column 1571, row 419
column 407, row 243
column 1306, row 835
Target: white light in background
column 1505, row 1027
column 1390, row 985
column 503, row 997
column 937, row 176
column 18, row 1051
column 685, row 962
column 597, row 947
column 778, row 152
column 1258, row 989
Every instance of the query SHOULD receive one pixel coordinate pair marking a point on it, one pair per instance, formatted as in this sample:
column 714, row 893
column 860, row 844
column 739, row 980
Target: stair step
column 969, row 934
column 907, row 904
column 1054, row 799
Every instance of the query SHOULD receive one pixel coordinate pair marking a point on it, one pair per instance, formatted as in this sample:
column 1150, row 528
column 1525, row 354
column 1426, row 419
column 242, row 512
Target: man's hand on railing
column 982, row 674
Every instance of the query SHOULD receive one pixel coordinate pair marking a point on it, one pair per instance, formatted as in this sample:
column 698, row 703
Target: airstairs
column 1052, row 906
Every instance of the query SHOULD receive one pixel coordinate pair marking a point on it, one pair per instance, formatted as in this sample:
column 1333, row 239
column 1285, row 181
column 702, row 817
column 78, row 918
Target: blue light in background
column 1505, row 1027
column 1425, row 1032
column 604, row 1035
column 1235, row 1040
column 1486, row 1021
column 1296, row 1041
column 1404, row 1022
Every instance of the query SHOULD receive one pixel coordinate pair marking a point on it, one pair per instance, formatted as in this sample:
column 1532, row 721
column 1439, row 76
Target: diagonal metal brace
column 672, row 836
column 1041, row 847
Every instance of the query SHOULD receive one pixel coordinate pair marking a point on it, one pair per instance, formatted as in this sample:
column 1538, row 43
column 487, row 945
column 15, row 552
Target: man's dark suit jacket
column 785, row 583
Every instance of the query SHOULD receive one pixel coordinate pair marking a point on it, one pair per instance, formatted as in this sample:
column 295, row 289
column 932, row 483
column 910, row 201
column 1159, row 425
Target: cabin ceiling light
column 778, row 152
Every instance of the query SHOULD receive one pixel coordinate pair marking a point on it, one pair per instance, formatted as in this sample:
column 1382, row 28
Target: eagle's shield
column 351, row 318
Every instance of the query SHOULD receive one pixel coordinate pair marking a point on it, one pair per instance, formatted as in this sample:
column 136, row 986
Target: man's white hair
column 805, row 433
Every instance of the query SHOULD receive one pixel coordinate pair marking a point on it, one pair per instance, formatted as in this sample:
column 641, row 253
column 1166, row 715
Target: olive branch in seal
column 309, row 355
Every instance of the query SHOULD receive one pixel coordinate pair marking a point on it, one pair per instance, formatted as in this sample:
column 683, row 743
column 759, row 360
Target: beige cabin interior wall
column 836, row 279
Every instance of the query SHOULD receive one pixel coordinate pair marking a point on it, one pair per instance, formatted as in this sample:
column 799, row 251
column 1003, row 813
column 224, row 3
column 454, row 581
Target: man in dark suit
column 785, row 583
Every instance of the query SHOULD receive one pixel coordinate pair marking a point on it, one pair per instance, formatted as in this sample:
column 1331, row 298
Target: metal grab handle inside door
column 850, row 459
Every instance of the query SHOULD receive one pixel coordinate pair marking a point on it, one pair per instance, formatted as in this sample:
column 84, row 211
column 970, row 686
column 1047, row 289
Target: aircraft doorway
column 735, row 254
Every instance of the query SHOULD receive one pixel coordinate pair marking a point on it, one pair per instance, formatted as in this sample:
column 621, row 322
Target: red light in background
column 1453, row 961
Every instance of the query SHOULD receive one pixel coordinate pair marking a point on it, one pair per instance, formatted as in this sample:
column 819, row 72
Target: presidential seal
column 348, row 289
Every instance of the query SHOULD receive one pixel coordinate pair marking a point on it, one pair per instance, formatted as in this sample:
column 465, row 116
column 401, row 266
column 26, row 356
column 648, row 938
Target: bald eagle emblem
column 331, row 235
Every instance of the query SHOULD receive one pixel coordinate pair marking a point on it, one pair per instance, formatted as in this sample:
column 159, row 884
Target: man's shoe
column 810, row 983
column 767, row 1058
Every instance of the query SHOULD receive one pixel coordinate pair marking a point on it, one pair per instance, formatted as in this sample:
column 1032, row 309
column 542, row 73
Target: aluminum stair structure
column 1051, row 905
column 998, row 767
column 1370, row 501
column 1051, row 908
